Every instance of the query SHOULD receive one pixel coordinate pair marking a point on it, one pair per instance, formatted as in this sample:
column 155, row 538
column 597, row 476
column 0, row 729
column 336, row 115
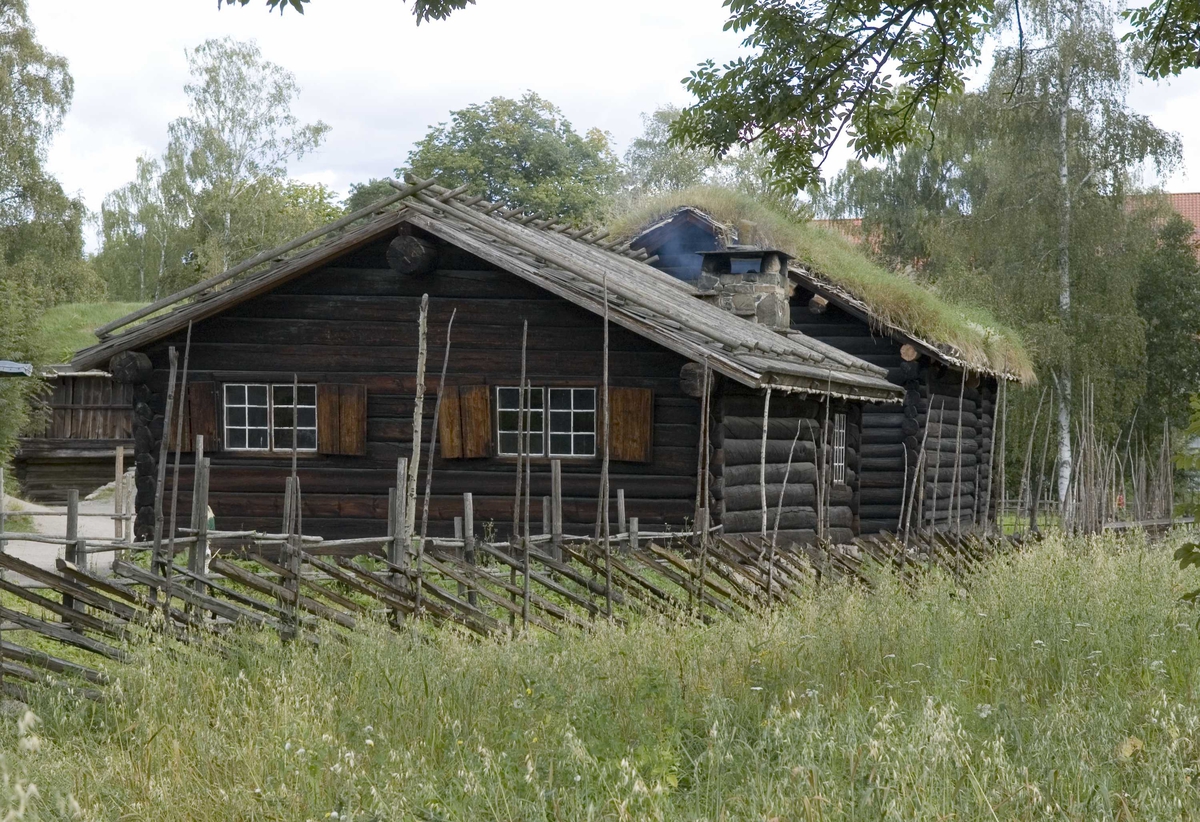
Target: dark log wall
column 737, row 463
column 892, row 434
column 356, row 322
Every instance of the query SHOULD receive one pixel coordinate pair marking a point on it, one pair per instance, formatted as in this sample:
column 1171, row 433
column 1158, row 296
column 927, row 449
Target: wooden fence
column 199, row 582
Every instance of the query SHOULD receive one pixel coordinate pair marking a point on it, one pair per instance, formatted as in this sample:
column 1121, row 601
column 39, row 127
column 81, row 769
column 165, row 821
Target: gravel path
column 43, row 555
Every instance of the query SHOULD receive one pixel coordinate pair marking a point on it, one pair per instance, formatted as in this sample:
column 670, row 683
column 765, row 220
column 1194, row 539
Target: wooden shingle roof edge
column 640, row 298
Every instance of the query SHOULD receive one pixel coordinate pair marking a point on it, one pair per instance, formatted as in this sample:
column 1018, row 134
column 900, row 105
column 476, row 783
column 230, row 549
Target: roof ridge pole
column 265, row 256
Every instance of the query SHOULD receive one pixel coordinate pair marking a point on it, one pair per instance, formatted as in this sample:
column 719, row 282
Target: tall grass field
column 1058, row 683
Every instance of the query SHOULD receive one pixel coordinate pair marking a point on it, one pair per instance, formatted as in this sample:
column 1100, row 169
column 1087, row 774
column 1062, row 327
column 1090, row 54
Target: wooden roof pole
column 259, row 259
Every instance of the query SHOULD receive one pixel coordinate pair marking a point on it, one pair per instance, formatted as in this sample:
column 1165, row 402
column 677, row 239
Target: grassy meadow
column 1060, row 683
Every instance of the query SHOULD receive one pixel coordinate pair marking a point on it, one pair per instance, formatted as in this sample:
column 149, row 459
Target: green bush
column 1060, row 683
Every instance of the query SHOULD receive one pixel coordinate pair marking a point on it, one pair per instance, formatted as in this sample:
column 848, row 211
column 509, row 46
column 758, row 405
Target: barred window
column 839, row 449
column 262, row 417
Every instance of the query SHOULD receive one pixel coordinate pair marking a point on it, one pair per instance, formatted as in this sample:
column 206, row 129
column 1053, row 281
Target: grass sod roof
column 965, row 333
column 66, row 328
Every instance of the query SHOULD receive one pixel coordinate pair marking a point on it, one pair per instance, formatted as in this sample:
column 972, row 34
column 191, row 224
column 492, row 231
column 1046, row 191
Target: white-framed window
column 572, row 422
column 838, row 461
column 566, row 429
column 261, row 417
column 510, row 426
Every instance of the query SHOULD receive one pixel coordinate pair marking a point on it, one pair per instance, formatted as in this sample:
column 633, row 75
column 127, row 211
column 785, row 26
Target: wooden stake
column 762, row 464
column 604, row 467
column 522, row 424
column 410, row 503
column 195, row 561
column 73, row 553
column 156, row 560
column 633, row 535
column 956, row 476
column 702, row 448
column 437, row 410
column 556, row 520
column 118, row 494
column 183, row 403
column 622, row 524
column 469, row 540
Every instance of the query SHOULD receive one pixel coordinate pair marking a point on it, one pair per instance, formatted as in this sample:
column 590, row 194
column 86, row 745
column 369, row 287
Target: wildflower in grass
column 984, row 710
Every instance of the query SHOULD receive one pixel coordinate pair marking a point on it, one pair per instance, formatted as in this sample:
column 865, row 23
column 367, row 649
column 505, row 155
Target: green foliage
column 1168, row 301
column 655, row 164
column 980, row 213
column 1166, row 34
column 64, row 329
column 523, row 153
column 1062, row 678
column 871, row 69
column 363, row 194
column 220, row 193
column 967, row 331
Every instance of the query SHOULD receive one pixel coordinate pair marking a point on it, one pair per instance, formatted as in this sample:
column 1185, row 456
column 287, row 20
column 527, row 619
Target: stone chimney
column 750, row 282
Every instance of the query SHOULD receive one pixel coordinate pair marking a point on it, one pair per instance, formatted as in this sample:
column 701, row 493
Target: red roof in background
column 1188, row 206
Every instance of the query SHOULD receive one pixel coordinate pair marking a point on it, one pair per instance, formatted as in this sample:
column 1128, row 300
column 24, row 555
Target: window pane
column 585, row 421
column 308, row 395
column 235, row 394
column 508, row 398
column 236, row 415
column 560, row 422
column 307, row 438
column 508, row 443
column 256, row 395
column 308, row 417
column 536, row 420
column 560, row 444
column 257, row 438
column 283, row 438
column 236, row 437
column 283, row 416
column 560, row 398
column 508, row 420
column 536, row 398
column 585, row 399
column 282, row 394
column 536, row 445
column 258, row 417
column 585, row 445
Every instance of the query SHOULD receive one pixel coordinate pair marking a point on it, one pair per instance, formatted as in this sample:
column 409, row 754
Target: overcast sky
column 380, row 81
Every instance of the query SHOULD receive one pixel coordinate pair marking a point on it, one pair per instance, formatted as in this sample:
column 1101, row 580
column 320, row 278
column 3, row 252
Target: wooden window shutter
column 450, row 424
column 199, row 418
column 475, row 406
column 631, row 421
column 341, row 419
column 329, row 426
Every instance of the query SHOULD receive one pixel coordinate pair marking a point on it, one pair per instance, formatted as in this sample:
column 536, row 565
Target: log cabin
column 924, row 460
column 316, row 354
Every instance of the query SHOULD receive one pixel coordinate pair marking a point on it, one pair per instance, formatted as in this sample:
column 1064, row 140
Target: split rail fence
column 195, row 582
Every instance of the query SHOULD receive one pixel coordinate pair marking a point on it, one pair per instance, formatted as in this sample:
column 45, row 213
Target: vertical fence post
column 556, row 514
column 546, row 516
column 118, row 497
column 399, row 546
column 469, row 541
column 3, row 507
column 197, row 561
column 703, row 529
column 73, row 543
column 459, row 551
column 622, row 522
column 633, row 534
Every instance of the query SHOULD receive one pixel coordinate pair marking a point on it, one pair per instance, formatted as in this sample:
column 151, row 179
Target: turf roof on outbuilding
column 827, row 262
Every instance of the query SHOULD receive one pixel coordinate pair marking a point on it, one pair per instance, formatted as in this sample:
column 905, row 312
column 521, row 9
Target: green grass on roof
column 64, row 329
column 969, row 333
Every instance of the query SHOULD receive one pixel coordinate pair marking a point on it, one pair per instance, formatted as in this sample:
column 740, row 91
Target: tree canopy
column 220, row 192
column 524, row 153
